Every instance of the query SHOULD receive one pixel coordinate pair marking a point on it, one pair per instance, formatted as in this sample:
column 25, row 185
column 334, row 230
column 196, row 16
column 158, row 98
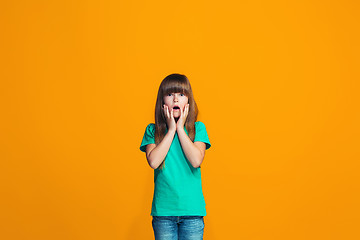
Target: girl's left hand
column 181, row 121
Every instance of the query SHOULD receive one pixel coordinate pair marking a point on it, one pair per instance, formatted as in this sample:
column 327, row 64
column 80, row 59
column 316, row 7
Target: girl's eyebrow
column 175, row 93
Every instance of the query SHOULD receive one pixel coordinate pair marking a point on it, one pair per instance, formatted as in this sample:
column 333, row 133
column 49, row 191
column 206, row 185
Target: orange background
column 276, row 82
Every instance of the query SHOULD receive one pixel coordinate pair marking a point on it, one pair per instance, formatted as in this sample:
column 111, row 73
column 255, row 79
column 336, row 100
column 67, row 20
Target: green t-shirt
column 178, row 188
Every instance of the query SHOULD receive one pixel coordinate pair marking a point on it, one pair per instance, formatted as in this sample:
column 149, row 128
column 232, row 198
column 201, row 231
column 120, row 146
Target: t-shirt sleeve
column 201, row 134
column 149, row 137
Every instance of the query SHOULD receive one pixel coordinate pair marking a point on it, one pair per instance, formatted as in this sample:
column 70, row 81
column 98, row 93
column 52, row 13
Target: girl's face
column 176, row 101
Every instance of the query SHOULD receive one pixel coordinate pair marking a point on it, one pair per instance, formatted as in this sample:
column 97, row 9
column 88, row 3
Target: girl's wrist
column 172, row 130
column 180, row 128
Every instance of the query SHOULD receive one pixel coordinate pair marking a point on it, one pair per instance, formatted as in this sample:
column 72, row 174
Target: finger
column 181, row 112
column 186, row 111
column 166, row 111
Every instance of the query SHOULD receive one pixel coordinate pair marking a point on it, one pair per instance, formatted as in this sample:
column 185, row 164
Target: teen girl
column 175, row 147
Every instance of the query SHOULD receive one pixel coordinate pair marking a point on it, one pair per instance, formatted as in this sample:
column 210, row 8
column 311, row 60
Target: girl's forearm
column 158, row 154
column 193, row 154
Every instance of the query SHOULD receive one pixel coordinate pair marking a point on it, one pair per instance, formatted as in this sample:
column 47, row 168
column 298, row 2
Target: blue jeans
column 178, row 227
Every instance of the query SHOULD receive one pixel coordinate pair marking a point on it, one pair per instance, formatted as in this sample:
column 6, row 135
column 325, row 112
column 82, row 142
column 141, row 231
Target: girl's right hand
column 170, row 120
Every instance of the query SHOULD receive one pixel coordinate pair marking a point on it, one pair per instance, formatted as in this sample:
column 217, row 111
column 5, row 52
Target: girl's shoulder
column 199, row 124
column 150, row 126
column 150, row 129
column 200, row 127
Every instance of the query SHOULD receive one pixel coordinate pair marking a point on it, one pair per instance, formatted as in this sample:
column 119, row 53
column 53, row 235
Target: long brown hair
column 174, row 83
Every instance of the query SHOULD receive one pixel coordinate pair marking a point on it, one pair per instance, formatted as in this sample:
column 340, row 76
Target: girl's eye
column 171, row 94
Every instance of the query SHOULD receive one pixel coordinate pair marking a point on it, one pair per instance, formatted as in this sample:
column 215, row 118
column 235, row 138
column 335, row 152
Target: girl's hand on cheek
column 170, row 120
column 182, row 119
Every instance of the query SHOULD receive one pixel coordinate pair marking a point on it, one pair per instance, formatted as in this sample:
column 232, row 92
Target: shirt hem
column 179, row 214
